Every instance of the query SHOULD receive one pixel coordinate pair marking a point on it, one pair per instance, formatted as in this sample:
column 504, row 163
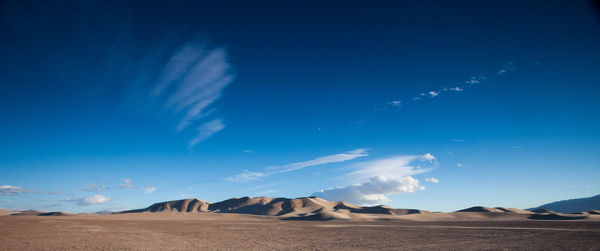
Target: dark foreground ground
column 243, row 232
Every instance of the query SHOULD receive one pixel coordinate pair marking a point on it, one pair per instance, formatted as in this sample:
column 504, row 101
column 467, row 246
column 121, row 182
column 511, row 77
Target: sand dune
column 303, row 208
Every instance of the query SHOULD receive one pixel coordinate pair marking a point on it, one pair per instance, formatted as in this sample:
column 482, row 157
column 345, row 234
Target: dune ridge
column 303, row 208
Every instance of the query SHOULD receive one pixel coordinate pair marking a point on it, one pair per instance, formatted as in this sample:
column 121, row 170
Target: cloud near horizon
column 385, row 176
column 149, row 189
column 90, row 200
column 340, row 157
column 13, row 190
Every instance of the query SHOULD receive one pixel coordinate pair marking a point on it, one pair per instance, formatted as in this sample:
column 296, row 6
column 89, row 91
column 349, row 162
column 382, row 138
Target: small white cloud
column 149, row 189
column 433, row 94
column 206, row 130
column 248, row 151
column 372, row 192
column 457, row 140
column 456, row 89
column 90, row 200
column 93, row 200
column 13, row 190
column 127, row 183
column 517, row 147
column 432, row 180
column 395, row 103
column 459, row 165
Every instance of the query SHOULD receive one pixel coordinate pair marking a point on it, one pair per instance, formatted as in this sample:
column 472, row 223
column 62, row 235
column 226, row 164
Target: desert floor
column 177, row 231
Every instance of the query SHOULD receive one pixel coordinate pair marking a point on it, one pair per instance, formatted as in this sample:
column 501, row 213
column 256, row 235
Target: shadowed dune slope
column 557, row 216
column 543, row 211
column 187, row 205
column 55, row 214
column 28, row 212
column 480, row 209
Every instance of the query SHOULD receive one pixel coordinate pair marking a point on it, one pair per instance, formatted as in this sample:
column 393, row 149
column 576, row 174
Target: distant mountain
column 572, row 206
column 299, row 208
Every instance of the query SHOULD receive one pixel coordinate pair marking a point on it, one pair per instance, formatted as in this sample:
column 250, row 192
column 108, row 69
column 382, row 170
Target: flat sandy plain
column 193, row 231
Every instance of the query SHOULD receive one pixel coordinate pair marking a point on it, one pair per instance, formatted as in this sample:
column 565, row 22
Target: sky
column 436, row 105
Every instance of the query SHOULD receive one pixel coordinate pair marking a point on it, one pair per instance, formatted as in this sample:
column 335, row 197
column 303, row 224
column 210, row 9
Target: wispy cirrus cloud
column 340, row 157
column 372, row 181
column 190, row 82
column 206, row 130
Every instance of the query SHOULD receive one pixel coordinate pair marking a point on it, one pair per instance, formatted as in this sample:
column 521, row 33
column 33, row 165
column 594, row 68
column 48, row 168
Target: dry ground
column 193, row 231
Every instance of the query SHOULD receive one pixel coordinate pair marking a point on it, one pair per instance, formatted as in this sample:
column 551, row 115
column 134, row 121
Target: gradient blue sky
column 430, row 105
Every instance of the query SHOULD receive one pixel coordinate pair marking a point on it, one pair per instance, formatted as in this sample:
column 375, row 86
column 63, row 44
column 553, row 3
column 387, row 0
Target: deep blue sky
column 497, row 101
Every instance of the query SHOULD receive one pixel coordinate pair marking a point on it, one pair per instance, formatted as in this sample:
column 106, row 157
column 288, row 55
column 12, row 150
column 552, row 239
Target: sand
column 192, row 231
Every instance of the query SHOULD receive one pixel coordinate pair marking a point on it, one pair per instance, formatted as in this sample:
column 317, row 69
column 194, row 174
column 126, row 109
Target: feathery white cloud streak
column 340, row 157
column 190, row 82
